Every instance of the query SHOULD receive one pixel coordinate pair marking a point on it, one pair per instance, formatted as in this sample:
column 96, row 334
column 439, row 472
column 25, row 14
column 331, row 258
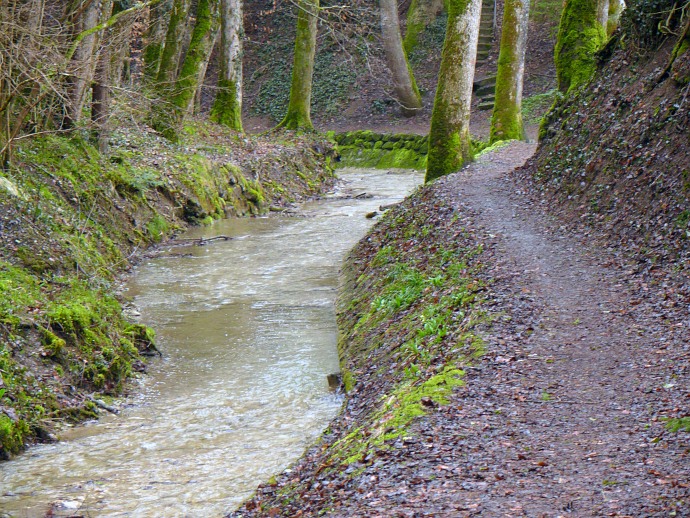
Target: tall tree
column 298, row 115
column 170, row 55
column 506, row 121
column 168, row 113
column 580, row 36
column 449, row 136
column 227, row 107
column 404, row 85
column 159, row 14
column 419, row 15
column 86, row 15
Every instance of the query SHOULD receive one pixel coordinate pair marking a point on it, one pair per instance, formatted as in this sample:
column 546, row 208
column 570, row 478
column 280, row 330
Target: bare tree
column 404, row 85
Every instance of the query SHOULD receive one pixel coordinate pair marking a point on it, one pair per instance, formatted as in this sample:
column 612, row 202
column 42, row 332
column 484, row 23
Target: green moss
column 226, row 109
column 12, row 435
column 157, row 228
column 580, row 36
column 381, row 151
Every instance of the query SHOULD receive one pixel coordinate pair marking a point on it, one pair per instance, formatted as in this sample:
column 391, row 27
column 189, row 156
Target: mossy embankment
column 73, row 219
column 369, row 149
column 411, row 310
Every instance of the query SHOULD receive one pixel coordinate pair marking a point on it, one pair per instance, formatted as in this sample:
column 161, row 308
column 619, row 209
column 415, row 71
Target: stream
column 248, row 335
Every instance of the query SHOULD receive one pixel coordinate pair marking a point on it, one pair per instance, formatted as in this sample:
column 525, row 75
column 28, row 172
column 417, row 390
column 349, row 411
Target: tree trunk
column 603, row 12
column 100, row 105
column 616, row 8
column 155, row 38
column 420, row 14
column 227, row 107
column 168, row 119
column 170, row 55
column 506, row 121
column 404, row 84
column 298, row 115
column 580, row 36
column 83, row 64
column 449, row 137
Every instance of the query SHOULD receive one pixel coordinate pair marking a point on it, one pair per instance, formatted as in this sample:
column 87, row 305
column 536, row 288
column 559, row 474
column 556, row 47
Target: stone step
column 484, row 46
column 485, row 90
column 489, row 38
column 483, row 81
column 485, row 105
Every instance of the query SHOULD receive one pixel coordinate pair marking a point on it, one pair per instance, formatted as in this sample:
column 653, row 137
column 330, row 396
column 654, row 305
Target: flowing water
column 247, row 328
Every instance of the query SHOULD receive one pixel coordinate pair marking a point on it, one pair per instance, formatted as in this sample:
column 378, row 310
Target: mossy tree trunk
column 449, row 136
column 168, row 116
column 419, row 15
column 580, row 36
column 603, row 12
column 298, row 115
column 108, row 75
column 615, row 11
column 404, row 85
column 506, row 121
column 170, row 55
column 159, row 15
column 227, row 107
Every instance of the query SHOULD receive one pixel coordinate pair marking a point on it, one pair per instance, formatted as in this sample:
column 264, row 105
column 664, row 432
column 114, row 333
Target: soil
column 563, row 415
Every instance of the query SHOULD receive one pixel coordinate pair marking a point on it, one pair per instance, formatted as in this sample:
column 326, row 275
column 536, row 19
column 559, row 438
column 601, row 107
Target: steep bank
column 73, row 219
column 614, row 160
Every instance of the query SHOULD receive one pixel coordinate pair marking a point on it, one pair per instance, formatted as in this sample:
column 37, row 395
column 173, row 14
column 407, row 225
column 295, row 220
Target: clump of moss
column 580, row 37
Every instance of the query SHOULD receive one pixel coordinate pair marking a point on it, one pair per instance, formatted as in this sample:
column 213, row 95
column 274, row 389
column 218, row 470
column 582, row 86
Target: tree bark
column 420, row 14
column 168, row 118
column 449, row 137
column 155, row 38
column 298, row 115
column 580, row 36
column 227, row 107
column 83, row 63
column 170, row 55
column 506, row 121
column 603, row 12
column 404, row 85
column 616, row 8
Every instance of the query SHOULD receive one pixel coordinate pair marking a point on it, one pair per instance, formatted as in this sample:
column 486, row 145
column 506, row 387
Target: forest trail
column 560, row 416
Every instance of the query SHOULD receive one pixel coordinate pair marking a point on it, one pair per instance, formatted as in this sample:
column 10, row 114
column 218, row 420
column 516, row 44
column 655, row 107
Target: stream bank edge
column 74, row 219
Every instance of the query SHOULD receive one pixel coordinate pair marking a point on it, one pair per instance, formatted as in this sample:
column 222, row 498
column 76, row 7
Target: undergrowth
column 411, row 309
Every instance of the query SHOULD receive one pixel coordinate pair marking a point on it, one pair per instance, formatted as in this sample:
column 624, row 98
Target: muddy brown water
column 247, row 328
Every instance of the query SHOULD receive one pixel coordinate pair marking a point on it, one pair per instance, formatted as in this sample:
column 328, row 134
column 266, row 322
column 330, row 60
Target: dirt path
column 560, row 417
